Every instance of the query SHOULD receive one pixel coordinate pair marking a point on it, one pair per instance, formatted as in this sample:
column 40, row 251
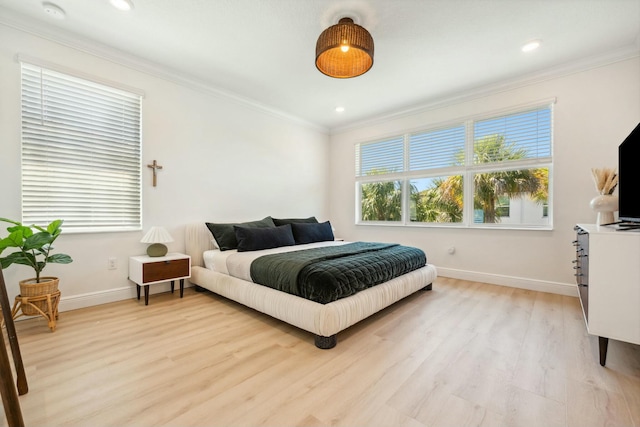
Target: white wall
column 222, row 161
column 595, row 110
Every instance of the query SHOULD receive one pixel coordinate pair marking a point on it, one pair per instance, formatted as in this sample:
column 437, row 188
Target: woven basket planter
column 29, row 288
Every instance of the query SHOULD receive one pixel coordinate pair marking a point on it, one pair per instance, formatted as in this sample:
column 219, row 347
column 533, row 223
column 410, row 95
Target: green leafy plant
column 33, row 247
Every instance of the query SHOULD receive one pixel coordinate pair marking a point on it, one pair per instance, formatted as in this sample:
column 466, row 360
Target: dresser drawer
column 165, row 270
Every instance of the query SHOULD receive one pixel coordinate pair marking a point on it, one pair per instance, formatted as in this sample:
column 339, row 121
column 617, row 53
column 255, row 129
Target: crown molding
column 569, row 68
column 104, row 52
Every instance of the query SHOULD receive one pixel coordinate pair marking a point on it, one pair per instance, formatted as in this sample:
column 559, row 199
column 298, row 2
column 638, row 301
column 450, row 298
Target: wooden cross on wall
column 155, row 166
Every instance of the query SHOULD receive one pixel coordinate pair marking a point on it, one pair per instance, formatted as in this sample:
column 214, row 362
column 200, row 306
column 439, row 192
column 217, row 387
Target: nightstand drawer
column 165, row 270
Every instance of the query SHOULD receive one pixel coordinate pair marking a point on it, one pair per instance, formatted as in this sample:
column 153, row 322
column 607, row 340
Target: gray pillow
column 225, row 235
column 256, row 239
column 311, row 220
column 310, row 233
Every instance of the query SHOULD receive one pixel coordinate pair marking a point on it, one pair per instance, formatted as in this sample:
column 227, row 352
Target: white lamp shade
column 157, row 235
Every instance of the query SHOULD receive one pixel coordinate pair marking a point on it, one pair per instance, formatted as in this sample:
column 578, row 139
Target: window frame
column 41, row 155
column 468, row 170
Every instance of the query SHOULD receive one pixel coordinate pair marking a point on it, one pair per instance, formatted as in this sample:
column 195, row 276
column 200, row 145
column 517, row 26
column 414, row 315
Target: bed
column 326, row 320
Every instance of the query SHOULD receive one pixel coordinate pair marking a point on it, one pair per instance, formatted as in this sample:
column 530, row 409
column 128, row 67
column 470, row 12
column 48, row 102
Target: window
column 80, row 152
column 381, row 201
column 489, row 172
column 503, row 206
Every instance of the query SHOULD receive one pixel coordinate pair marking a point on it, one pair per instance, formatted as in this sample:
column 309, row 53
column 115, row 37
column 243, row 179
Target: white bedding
column 238, row 264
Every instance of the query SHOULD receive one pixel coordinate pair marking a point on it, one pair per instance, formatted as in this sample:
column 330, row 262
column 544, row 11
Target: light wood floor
column 464, row 354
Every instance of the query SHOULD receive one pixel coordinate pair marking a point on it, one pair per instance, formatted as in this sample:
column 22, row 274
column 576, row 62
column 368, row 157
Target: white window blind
column 437, row 149
column 80, row 152
column 520, row 136
column 380, row 158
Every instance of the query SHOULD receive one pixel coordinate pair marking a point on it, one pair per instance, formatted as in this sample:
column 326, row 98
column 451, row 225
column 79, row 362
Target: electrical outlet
column 112, row 263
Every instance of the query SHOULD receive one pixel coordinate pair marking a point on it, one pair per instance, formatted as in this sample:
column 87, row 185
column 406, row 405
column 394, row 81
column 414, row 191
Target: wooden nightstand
column 145, row 270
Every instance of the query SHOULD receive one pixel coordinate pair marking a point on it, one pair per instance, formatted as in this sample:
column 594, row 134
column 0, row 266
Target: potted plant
column 33, row 249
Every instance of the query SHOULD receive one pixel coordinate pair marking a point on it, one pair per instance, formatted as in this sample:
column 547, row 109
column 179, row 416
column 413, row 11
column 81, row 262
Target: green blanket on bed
column 329, row 273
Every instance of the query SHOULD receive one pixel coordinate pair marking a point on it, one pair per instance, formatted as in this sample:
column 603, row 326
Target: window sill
column 460, row 226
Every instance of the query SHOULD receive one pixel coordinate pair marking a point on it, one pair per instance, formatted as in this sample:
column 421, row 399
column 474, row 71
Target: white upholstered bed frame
column 323, row 320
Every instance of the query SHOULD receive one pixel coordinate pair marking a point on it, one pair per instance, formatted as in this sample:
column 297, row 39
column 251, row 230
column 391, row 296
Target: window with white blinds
column 437, row 149
column 81, row 152
column 381, row 157
column 527, row 133
column 505, row 161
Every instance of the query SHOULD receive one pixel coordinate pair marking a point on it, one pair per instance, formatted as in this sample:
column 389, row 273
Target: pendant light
column 344, row 50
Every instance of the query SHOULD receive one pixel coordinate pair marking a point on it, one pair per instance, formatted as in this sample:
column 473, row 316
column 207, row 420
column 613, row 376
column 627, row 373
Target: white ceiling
column 263, row 51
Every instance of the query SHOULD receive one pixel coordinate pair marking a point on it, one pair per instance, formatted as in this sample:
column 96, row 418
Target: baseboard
column 514, row 282
column 74, row 302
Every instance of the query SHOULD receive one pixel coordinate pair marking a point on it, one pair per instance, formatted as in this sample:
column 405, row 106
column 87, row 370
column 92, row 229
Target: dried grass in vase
column 606, row 179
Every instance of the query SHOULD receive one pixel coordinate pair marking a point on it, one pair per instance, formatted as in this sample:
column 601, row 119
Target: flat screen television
column 629, row 178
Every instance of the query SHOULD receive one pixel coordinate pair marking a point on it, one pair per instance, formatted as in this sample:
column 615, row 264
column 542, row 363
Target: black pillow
column 310, row 220
column 310, row 233
column 256, row 239
column 225, row 235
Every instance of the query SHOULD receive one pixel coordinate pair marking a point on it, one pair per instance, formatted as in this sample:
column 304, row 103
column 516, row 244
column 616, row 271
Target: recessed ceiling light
column 531, row 46
column 122, row 4
column 53, row 11
column 339, row 109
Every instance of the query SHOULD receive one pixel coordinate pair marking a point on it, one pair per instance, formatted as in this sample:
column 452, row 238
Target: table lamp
column 157, row 236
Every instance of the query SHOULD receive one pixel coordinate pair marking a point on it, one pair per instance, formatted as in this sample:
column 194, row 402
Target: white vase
column 605, row 205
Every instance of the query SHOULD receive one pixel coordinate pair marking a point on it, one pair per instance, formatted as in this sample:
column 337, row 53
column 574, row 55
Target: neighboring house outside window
column 503, row 207
column 489, row 172
column 81, row 152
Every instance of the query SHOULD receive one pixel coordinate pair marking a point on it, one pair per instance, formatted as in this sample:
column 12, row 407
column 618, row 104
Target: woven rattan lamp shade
column 331, row 57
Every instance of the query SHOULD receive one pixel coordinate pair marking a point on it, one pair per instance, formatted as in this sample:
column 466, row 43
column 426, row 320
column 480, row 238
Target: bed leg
column 325, row 343
column 428, row 287
column 199, row 288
